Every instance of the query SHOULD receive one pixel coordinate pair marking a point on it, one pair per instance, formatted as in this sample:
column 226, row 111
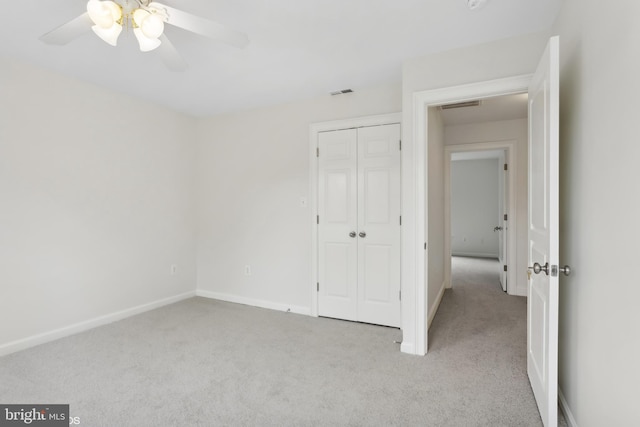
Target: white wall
column 253, row 167
column 96, row 194
column 435, row 226
column 600, row 211
column 474, row 207
column 505, row 130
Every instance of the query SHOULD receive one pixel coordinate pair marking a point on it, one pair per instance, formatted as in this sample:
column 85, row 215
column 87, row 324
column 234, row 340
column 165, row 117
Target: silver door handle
column 352, row 234
column 537, row 268
column 566, row 270
column 362, row 234
column 498, row 228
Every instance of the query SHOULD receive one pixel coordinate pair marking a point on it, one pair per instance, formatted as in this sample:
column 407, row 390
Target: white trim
column 421, row 101
column 66, row 331
column 511, row 147
column 254, row 302
column 314, row 130
column 564, row 406
column 436, row 304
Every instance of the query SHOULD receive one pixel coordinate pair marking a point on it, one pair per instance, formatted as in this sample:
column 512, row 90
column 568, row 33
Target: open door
column 542, row 305
column 502, row 219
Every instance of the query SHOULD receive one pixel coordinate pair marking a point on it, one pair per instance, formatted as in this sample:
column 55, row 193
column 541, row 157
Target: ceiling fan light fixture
column 104, row 13
column 152, row 25
column 147, row 44
column 109, row 35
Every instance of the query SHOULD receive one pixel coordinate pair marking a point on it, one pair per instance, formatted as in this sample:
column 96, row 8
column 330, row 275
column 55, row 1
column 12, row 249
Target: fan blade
column 170, row 56
column 202, row 26
column 69, row 31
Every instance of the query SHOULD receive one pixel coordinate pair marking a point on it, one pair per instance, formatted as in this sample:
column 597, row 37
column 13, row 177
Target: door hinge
column 318, row 287
column 425, row 246
column 505, row 268
column 400, row 219
column 400, row 144
column 506, row 167
column 317, row 151
column 505, row 217
column 317, row 219
column 400, row 295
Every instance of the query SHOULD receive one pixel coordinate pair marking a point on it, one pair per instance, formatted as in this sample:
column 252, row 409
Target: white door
column 502, row 220
column 359, row 224
column 379, row 225
column 542, row 305
column 337, row 224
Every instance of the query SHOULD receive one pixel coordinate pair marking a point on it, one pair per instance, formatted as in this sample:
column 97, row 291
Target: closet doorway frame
column 314, row 130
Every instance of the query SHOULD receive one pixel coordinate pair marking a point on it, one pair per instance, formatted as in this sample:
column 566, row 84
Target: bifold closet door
column 359, row 225
column 379, row 225
column 338, row 217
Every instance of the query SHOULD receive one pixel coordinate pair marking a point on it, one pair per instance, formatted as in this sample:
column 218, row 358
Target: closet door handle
column 352, row 234
column 362, row 234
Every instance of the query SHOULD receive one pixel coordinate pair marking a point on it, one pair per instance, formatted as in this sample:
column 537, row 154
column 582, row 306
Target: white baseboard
column 564, row 406
column 407, row 348
column 254, row 302
column 32, row 341
column 436, row 304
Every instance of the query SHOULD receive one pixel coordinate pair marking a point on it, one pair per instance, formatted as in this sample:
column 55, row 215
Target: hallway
column 481, row 328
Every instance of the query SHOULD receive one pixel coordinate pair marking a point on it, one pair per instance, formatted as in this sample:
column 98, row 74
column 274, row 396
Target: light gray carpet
column 207, row 363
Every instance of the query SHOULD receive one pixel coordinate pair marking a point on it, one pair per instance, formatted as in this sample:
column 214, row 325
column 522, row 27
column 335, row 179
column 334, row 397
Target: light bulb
column 146, row 43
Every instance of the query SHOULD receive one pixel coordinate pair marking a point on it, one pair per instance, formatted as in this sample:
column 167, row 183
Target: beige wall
column 600, row 208
column 96, row 202
column 253, row 167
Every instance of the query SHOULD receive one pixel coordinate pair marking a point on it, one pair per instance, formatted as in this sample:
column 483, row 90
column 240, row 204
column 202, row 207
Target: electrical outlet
column 174, row 269
column 247, row 270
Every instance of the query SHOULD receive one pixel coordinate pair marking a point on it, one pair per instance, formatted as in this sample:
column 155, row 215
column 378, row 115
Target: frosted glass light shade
column 104, row 13
column 152, row 26
column 146, row 43
column 109, row 35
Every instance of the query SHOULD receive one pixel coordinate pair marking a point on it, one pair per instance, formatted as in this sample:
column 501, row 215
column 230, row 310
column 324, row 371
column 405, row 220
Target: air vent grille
column 340, row 92
column 475, row 103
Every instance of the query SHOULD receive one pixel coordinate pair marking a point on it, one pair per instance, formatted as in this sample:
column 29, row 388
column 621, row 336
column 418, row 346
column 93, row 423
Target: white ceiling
column 298, row 48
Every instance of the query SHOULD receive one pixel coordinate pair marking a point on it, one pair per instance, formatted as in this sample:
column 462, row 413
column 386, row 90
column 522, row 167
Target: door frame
column 414, row 319
column 314, row 130
column 510, row 147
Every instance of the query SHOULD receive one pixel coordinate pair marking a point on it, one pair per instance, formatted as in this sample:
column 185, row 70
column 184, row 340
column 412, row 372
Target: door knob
column 566, row 270
column 362, row 234
column 352, row 234
column 497, row 228
column 537, row 268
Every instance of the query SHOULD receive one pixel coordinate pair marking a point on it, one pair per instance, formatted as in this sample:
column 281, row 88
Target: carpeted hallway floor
column 207, row 363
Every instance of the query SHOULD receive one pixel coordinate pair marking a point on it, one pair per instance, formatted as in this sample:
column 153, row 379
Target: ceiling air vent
column 475, row 103
column 340, row 92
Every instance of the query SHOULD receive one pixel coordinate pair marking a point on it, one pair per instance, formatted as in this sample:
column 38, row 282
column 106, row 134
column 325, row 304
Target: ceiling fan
column 147, row 19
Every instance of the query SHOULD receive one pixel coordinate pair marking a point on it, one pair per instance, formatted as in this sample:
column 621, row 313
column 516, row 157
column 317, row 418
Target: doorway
column 479, row 210
column 485, row 162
